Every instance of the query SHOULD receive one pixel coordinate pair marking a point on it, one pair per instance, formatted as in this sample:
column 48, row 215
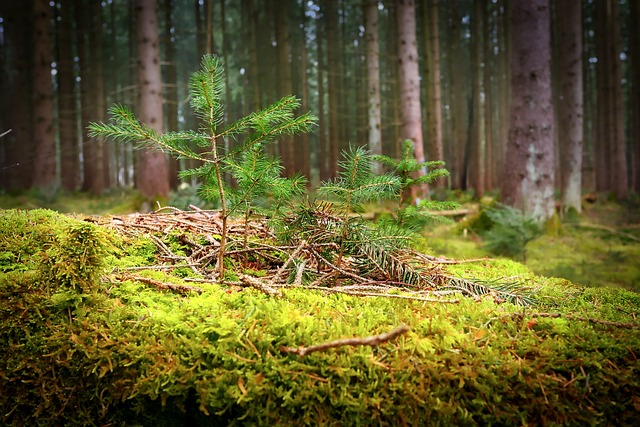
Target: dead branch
column 163, row 286
column 361, row 293
column 286, row 264
column 258, row 284
column 372, row 341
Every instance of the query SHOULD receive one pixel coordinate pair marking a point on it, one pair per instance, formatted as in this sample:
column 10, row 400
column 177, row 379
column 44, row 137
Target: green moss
column 590, row 258
column 125, row 353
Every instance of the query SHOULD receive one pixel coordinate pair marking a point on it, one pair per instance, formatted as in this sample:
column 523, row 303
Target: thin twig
column 338, row 290
column 258, row 284
column 372, row 341
column 182, row 289
column 295, row 253
column 336, row 268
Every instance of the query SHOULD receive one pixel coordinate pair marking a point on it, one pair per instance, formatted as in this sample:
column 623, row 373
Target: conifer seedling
column 357, row 184
column 406, row 169
column 253, row 172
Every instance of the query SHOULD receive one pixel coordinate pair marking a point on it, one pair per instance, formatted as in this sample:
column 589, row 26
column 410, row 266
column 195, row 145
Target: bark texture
column 529, row 183
column 44, row 175
column 373, row 76
column 69, row 159
column 152, row 176
column 409, row 81
column 570, row 102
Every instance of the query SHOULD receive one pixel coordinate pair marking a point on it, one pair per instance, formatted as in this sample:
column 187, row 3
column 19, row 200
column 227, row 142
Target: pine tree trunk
column 570, row 102
column 529, row 183
column 322, row 148
column 503, row 91
column 67, row 111
column 434, row 108
column 488, row 75
column 281, row 19
column 476, row 152
column 373, row 77
column 304, row 157
column 604, row 108
column 252, row 46
column 620, row 180
column 44, row 175
column 334, row 101
column 152, row 177
column 458, row 102
column 171, row 91
column 99, row 170
column 16, row 171
column 634, row 47
column 209, row 42
column 409, row 81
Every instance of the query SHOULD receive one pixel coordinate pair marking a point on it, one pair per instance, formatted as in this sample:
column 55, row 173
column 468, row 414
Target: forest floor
column 598, row 248
column 117, row 315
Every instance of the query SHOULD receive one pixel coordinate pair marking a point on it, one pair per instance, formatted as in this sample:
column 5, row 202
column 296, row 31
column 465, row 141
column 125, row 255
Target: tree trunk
column 409, row 81
column 634, row 48
column 373, row 77
column 209, row 42
column 569, row 102
column 620, row 180
column 67, row 111
column 304, row 158
column 434, row 108
column 603, row 109
column 44, row 176
column 488, row 75
column 252, row 45
column 334, row 101
column 611, row 167
column 322, row 149
column 152, row 177
column 458, row 101
column 171, row 86
column 99, row 169
column 476, row 152
column 281, row 19
column 529, row 182
column 16, row 170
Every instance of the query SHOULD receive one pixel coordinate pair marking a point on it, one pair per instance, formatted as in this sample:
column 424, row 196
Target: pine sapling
column 208, row 145
column 407, row 170
column 356, row 184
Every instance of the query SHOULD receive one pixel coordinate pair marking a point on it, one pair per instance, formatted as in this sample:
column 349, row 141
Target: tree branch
column 372, row 340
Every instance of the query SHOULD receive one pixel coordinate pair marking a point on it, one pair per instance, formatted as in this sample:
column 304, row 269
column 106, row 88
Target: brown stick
column 182, row 289
column 258, row 284
column 372, row 340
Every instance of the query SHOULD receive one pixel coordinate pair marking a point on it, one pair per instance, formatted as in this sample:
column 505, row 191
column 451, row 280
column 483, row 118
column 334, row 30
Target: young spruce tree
column 254, row 173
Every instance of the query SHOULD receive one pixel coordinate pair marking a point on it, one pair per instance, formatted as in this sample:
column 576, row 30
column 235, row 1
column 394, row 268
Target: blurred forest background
column 63, row 63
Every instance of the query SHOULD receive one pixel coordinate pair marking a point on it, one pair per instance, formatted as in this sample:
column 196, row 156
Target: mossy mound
column 81, row 348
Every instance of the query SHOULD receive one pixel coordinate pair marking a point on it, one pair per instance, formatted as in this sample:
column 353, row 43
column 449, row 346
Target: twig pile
column 279, row 266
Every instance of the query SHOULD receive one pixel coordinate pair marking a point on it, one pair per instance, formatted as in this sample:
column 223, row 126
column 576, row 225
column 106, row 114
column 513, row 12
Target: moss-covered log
column 80, row 346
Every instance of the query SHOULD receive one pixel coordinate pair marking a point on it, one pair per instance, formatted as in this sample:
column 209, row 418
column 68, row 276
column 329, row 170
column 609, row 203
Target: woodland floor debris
column 252, row 244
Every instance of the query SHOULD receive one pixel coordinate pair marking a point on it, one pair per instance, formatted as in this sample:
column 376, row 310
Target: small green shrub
column 509, row 232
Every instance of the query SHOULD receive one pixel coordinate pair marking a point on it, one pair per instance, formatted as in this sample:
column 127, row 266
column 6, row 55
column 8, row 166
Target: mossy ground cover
column 82, row 347
column 599, row 248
